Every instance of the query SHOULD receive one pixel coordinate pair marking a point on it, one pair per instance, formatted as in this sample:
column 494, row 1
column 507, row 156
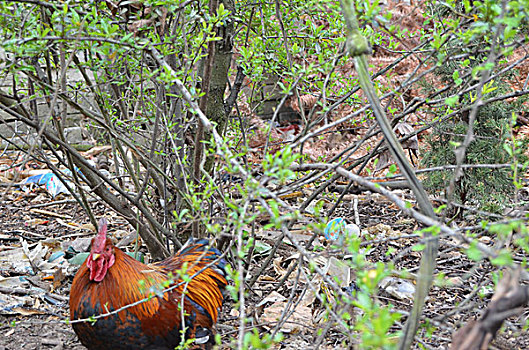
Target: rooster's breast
column 119, row 331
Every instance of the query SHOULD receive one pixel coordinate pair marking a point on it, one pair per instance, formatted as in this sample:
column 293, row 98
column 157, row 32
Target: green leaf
column 503, row 259
column 418, row 247
column 474, row 253
column 452, row 100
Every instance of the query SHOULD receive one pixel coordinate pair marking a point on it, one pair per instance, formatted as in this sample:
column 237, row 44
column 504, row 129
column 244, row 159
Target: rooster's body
column 110, row 279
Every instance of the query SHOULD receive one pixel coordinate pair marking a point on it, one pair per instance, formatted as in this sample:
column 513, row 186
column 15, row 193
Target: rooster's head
column 101, row 256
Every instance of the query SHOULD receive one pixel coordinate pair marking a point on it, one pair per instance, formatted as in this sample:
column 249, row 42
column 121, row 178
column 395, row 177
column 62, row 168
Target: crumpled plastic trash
column 17, row 261
column 53, row 184
column 398, row 288
column 337, row 228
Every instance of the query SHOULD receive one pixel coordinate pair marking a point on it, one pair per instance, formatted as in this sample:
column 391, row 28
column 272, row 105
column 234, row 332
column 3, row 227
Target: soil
column 40, row 324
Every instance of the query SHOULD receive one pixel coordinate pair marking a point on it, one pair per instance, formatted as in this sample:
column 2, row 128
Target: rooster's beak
column 95, row 256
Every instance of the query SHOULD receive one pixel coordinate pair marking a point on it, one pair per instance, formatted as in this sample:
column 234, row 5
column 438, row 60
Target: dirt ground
column 39, row 322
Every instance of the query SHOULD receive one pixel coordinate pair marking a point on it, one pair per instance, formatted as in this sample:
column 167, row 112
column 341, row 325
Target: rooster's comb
column 102, row 227
column 99, row 242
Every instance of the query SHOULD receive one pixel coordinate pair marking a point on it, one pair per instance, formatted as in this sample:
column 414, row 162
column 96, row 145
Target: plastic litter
column 51, row 182
column 337, row 228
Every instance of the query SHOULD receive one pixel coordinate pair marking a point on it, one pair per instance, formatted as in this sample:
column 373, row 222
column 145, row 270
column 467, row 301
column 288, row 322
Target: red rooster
column 110, row 279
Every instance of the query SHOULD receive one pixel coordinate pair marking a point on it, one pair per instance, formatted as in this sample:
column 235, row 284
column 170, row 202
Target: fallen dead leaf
column 272, row 314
